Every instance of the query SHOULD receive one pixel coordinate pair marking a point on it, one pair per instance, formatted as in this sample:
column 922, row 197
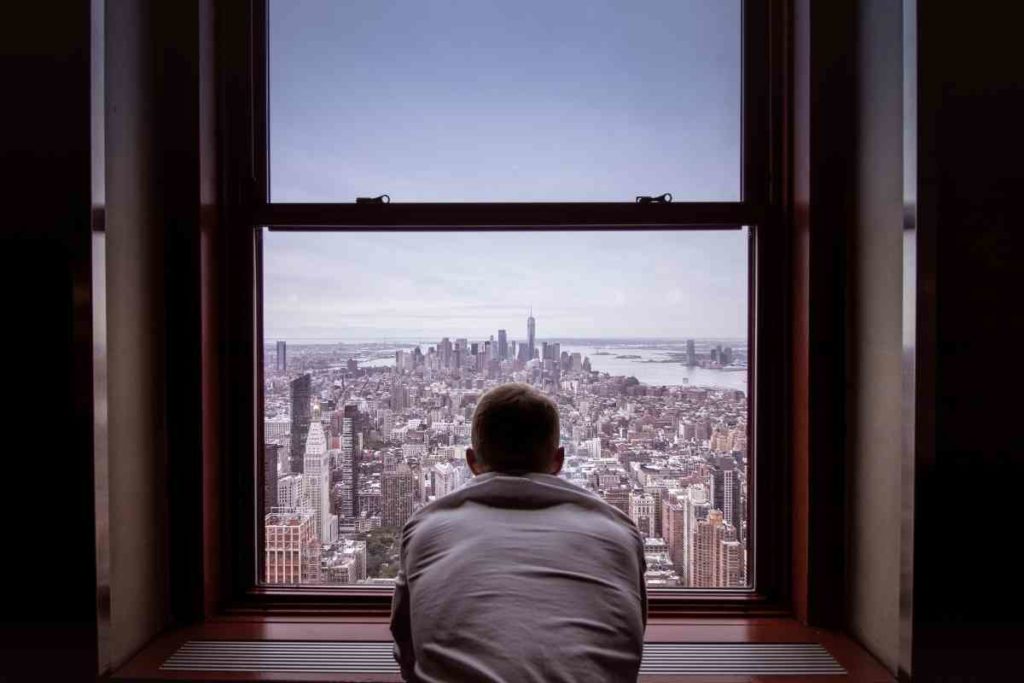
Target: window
column 495, row 101
column 377, row 346
column 523, row 150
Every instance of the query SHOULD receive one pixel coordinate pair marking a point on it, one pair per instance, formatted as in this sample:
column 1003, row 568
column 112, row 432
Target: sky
column 518, row 100
column 424, row 286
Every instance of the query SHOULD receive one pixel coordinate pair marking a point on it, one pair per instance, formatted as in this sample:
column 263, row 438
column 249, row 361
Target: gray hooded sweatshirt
column 519, row 578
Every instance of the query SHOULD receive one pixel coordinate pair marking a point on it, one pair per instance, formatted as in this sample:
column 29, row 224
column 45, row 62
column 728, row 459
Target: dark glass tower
column 301, row 388
column 502, row 345
column 282, row 357
column 531, row 336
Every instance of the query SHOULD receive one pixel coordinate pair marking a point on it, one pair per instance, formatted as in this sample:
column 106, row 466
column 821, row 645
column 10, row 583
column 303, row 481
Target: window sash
column 248, row 211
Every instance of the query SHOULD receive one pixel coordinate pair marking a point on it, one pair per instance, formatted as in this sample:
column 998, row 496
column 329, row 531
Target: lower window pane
column 378, row 345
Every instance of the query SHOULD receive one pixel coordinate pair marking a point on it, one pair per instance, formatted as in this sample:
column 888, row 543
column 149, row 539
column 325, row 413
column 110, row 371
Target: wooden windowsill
column 145, row 666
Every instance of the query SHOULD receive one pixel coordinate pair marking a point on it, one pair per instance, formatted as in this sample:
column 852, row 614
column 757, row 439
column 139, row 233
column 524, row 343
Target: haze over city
column 422, row 286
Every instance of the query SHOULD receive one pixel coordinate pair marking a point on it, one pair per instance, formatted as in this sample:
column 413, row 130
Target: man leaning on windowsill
column 519, row 575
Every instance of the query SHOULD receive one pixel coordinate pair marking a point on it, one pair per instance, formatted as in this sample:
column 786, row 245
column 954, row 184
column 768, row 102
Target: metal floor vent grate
column 374, row 657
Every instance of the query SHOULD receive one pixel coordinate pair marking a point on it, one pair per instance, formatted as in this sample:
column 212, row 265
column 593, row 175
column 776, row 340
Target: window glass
column 514, row 101
column 378, row 345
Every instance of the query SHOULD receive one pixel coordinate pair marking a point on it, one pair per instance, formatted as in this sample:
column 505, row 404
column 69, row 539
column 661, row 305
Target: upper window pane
column 517, row 101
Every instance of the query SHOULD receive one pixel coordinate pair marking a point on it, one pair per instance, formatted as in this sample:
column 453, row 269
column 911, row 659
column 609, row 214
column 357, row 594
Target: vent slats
column 374, row 657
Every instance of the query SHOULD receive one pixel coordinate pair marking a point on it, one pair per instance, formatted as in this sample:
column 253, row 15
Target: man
column 519, row 575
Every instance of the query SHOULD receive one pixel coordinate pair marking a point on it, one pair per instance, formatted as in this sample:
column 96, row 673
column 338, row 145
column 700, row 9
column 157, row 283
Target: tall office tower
column 403, row 361
column 673, row 528
column 531, row 336
column 350, row 454
column 710, row 539
column 697, row 509
column 317, row 481
column 289, row 491
column 730, row 565
column 641, row 511
column 502, row 345
column 291, row 550
column 555, row 351
column 301, row 388
column 725, row 491
column 443, row 479
column 270, row 455
column 399, row 396
column 397, row 491
column 691, row 353
column 544, row 351
column 575, row 362
column 282, row 357
column 444, row 349
column 658, row 492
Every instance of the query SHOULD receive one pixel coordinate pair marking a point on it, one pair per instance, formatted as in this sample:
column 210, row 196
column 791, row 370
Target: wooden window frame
column 225, row 584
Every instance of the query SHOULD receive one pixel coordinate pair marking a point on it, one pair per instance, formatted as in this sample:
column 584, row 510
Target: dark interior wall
column 967, row 598
column 875, row 336
column 137, row 480
column 48, row 617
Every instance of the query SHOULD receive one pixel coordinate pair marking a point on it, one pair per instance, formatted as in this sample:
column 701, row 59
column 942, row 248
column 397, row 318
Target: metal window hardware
column 382, row 199
column 660, row 199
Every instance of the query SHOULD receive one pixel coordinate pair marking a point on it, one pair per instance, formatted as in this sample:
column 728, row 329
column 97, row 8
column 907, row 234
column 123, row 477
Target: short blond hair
column 515, row 428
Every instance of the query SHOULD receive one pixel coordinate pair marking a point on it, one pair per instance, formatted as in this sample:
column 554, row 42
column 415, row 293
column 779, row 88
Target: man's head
column 515, row 429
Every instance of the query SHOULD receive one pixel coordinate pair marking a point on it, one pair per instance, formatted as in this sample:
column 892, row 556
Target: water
column 657, row 374
column 654, row 374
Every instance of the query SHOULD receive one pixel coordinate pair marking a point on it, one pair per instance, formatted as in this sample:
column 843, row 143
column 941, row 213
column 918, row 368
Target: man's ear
column 475, row 466
column 558, row 460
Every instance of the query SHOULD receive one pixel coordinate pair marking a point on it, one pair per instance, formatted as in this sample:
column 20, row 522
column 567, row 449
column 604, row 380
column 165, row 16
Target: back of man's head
column 515, row 429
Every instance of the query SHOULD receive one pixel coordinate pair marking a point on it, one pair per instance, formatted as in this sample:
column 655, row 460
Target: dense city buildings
column 384, row 428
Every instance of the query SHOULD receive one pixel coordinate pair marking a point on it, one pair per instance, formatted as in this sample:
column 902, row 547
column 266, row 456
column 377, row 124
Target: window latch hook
column 660, row 199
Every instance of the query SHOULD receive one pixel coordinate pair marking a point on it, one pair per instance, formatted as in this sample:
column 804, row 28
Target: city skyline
column 581, row 285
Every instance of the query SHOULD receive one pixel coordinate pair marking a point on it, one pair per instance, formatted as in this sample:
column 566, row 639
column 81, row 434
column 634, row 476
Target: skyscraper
column 725, row 492
column 674, row 526
column 444, row 479
column 531, row 336
column 317, row 481
column 301, row 388
column 282, row 359
column 349, row 463
column 714, row 552
column 641, row 511
column 291, row 551
column 399, row 396
column 289, row 491
column 691, row 353
column 270, row 455
column 502, row 345
column 444, row 350
column 397, row 492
